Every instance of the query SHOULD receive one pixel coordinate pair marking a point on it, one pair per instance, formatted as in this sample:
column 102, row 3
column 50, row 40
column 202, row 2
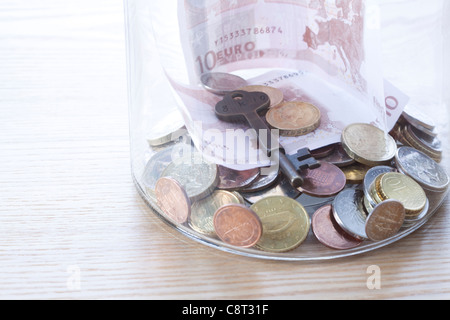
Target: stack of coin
column 397, row 186
column 410, row 136
column 419, row 120
column 418, row 131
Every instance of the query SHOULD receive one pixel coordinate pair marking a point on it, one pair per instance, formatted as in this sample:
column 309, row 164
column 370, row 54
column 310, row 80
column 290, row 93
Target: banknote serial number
column 287, row 76
column 248, row 32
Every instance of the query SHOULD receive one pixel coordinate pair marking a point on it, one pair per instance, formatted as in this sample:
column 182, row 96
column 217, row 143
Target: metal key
column 243, row 105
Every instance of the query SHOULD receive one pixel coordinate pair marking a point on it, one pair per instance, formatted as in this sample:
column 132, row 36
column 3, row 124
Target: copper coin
column 230, row 179
column 326, row 181
column 237, row 225
column 329, row 233
column 173, row 200
column 385, row 220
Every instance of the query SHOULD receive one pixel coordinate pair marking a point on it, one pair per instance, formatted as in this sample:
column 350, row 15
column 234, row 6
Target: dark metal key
column 243, row 105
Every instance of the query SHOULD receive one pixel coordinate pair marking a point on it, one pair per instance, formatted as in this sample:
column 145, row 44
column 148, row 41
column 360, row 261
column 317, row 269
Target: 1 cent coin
column 237, row 225
column 385, row 220
column 325, row 181
column 329, row 233
column 173, row 200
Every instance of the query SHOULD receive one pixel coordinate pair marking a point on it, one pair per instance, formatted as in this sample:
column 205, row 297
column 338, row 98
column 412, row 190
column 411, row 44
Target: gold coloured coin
column 294, row 118
column 355, row 173
column 397, row 186
column 202, row 211
column 375, row 196
column 285, row 223
column 276, row 96
column 368, row 144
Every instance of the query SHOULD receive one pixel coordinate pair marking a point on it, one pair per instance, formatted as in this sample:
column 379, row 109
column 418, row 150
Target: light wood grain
column 67, row 199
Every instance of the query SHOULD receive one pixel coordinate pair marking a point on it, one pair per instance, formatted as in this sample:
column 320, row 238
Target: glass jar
column 186, row 56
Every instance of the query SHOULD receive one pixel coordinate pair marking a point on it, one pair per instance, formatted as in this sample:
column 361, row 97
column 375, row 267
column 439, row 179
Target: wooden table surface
column 72, row 225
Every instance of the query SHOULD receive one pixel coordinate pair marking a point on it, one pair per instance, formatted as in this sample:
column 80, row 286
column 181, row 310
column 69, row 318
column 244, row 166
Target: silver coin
column 197, row 176
column 283, row 188
column 370, row 177
column 349, row 213
column 263, row 181
column 222, row 83
column 424, row 170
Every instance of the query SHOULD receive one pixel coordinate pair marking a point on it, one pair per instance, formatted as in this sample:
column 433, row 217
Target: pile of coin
column 367, row 188
column 415, row 130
